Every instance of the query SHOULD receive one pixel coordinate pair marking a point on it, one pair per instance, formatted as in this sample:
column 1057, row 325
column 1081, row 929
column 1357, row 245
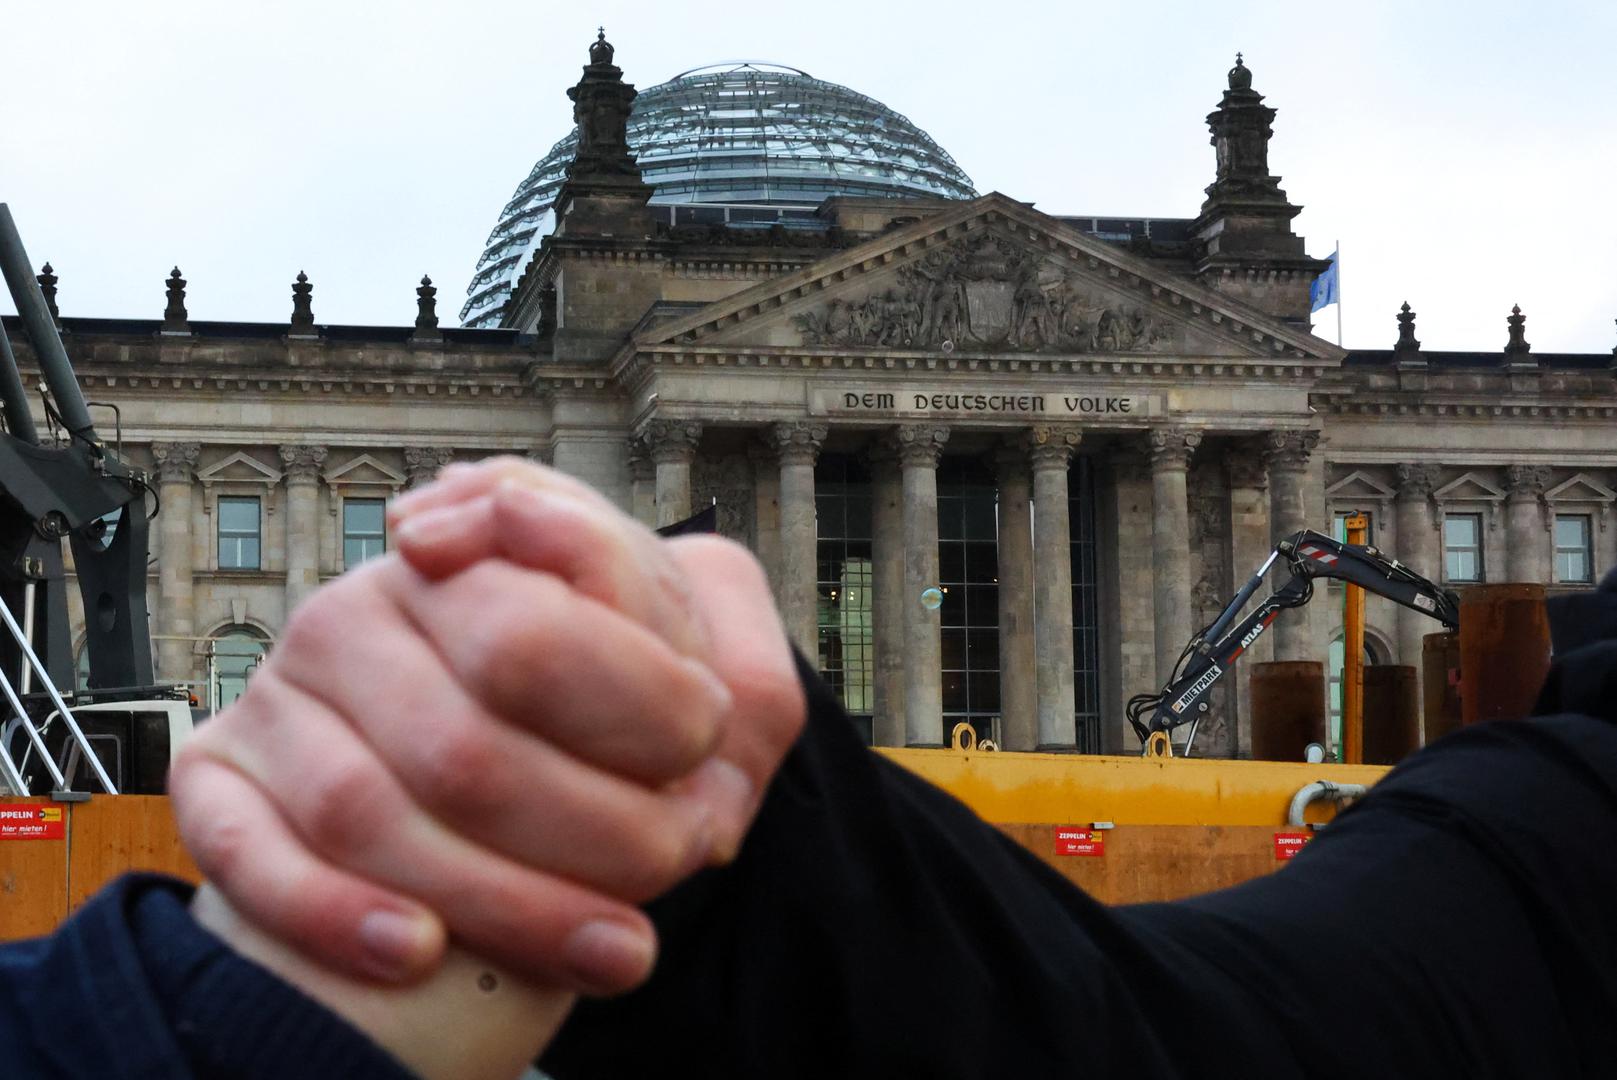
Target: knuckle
column 339, row 811
column 456, row 771
column 660, row 859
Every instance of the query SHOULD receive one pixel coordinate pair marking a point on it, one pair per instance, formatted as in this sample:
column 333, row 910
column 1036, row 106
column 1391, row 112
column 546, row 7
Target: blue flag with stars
column 1326, row 289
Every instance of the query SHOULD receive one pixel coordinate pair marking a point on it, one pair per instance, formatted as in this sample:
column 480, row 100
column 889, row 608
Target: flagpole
column 1339, row 293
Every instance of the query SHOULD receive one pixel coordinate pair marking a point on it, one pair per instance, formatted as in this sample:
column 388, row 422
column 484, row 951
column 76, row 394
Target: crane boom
column 1308, row 555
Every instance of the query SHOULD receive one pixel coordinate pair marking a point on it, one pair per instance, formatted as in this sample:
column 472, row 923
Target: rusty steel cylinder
column 1440, row 684
column 1504, row 651
column 1288, row 708
column 1391, row 713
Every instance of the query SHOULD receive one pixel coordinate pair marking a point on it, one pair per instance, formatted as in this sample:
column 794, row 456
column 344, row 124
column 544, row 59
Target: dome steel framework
column 747, row 133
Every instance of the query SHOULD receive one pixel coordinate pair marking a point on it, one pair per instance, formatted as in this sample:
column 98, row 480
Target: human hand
column 532, row 758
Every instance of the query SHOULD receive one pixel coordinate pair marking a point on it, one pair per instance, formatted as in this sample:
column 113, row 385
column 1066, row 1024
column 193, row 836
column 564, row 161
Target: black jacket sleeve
column 132, row 987
column 1450, row 925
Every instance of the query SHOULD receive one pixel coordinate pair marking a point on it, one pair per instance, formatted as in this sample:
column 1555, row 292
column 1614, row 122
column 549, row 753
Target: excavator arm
column 1308, row 555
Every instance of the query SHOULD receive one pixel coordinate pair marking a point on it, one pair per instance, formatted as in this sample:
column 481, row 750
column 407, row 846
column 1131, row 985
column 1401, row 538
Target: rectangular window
column 364, row 530
column 1574, row 555
column 238, row 533
column 1462, row 547
column 845, row 577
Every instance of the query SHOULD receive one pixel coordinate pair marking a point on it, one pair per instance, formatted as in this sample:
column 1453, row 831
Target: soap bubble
column 932, row 598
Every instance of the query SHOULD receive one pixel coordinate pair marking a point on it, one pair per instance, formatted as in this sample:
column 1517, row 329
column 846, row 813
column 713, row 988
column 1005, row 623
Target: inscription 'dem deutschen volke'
column 954, row 403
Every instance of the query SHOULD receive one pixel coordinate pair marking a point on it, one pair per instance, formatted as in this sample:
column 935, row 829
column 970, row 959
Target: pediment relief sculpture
column 987, row 295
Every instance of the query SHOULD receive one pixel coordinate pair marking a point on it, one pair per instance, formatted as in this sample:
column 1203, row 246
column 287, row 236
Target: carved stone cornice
column 1289, row 450
column 421, row 463
column 302, row 464
column 671, row 442
column 1050, row 447
column 1246, row 467
column 1526, row 481
column 1171, row 447
column 920, row 445
column 1416, row 481
column 176, row 461
column 798, row 442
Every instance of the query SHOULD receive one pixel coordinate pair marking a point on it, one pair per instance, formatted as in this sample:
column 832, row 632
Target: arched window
column 233, row 654
column 1337, row 658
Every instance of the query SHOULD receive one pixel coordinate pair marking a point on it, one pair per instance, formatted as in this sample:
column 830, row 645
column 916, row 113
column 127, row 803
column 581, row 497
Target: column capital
column 421, row 463
column 671, row 441
column 641, row 466
column 1171, row 447
column 883, row 454
column 544, row 454
column 1050, row 447
column 1289, row 450
column 1416, row 481
column 1246, row 467
column 1526, row 481
column 1010, row 456
column 920, row 444
column 176, row 461
column 301, row 464
column 798, row 442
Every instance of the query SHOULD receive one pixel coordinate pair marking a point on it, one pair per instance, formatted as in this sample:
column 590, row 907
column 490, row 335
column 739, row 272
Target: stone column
column 1018, row 659
column 642, row 484
column 920, row 447
column 887, row 588
column 1050, row 452
column 798, row 446
column 673, row 446
column 766, row 509
column 1417, row 549
column 301, row 466
column 1250, row 544
column 421, row 464
column 1527, row 541
column 1287, row 453
column 1170, row 449
column 176, row 603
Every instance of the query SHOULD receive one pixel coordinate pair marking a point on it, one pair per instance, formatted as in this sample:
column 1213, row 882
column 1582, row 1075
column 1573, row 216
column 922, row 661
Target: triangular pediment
column 239, row 467
column 989, row 277
column 364, row 469
column 1359, row 486
column 1580, row 488
column 1468, row 487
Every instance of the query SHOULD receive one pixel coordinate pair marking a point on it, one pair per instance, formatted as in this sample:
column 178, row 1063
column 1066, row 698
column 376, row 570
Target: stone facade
column 1169, row 393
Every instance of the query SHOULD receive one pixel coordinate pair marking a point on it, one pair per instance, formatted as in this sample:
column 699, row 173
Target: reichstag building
column 999, row 463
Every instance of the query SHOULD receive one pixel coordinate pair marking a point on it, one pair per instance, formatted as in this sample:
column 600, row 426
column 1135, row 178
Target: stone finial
column 47, row 284
column 426, row 312
column 302, row 307
column 601, row 51
column 1407, row 344
column 176, row 461
column 301, row 464
column 421, row 463
column 1240, row 75
column 1171, row 447
column 175, row 317
column 1517, row 346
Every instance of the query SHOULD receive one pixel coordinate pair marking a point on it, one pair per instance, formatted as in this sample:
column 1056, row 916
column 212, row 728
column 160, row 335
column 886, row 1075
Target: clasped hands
column 529, row 718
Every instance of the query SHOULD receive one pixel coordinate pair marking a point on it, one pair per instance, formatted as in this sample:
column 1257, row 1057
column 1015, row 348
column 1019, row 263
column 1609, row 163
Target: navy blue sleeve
column 131, row 986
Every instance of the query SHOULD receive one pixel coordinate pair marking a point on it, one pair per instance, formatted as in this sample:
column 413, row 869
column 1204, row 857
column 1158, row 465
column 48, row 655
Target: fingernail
column 396, row 944
column 609, row 956
column 431, row 526
column 728, row 793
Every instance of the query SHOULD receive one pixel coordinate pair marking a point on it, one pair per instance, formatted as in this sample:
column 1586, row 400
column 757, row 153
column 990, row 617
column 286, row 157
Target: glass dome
column 759, row 134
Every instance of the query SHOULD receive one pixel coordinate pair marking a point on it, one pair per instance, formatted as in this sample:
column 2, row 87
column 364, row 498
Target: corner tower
column 1247, row 248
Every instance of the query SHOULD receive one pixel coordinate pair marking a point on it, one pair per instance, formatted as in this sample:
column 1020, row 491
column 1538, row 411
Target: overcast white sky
column 1464, row 153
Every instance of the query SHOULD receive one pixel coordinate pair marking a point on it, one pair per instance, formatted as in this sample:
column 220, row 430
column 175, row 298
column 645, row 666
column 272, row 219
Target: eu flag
column 1326, row 288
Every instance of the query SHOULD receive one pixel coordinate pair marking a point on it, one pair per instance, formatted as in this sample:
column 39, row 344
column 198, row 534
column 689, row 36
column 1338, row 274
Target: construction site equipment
column 72, row 488
column 1288, row 709
column 1210, row 653
column 1499, row 621
column 1356, row 530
